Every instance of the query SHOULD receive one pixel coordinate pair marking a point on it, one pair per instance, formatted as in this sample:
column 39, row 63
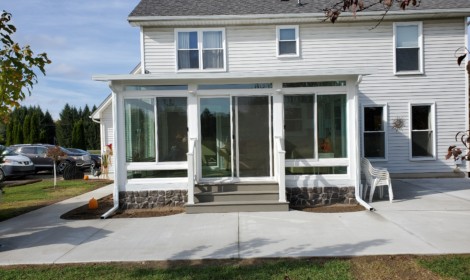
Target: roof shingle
column 166, row 8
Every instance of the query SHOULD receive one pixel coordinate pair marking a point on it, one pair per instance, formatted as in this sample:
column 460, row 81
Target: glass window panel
column 187, row 40
column 332, row 120
column 140, row 130
column 315, row 84
column 299, row 127
column 253, row 136
column 172, row 129
column 188, row 59
column 157, row 87
column 213, row 59
column 422, row 143
column 374, row 145
column 235, row 86
column 216, row 144
column 212, row 39
column 407, row 36
column 287, row 47
column 287, row 34
column 324, row 170
column 421, row 116
column 373, row 119
column 407, row 59
column 138, row 174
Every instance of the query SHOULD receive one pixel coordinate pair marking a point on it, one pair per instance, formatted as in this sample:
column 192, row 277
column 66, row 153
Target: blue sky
column 82, row 38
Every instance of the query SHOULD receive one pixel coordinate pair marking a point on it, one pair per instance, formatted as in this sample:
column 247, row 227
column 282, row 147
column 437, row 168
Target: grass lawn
column 362, row 268
column 18, row 200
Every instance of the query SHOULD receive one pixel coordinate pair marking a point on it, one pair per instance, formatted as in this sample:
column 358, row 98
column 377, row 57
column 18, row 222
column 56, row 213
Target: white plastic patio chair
column 376, row 177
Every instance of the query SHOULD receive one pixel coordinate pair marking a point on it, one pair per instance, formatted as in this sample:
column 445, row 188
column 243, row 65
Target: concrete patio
column 429, row 216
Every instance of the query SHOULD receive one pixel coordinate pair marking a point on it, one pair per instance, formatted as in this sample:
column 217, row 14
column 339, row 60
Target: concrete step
column 228, row 196
column 236, row 187
column 237, row 206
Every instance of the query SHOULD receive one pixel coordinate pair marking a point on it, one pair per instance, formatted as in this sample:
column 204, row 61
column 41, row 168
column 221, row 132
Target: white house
column 248, row 105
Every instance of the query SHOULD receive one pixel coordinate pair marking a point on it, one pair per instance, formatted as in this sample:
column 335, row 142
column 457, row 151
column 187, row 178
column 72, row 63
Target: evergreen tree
column 78, row 136
column 17, row 133
column 9, row 133
column 26, row 131
column 47, row 131
column 64, row 127
column 91, row 128
column 34, row 127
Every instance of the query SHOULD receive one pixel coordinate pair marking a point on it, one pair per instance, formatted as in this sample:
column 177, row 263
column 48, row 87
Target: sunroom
column 193, row 133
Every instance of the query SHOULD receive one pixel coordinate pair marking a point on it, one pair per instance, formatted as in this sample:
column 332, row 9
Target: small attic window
column 287, row 41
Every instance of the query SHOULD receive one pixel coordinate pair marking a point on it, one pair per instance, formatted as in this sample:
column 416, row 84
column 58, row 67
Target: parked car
column 95, row 159
column 37, row 153
column 15, row 165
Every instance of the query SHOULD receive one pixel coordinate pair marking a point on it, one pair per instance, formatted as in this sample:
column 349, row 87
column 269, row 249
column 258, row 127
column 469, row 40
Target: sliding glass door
column 235, row 137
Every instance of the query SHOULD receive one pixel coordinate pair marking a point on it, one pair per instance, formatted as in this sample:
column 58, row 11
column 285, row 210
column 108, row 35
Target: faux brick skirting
column 308, row 197
column 152, row 199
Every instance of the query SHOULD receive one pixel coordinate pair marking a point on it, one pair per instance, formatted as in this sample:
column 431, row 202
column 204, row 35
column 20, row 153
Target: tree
column 47, row 131
column 17, row 65
column 56, row 154
column 26, row 131
column 333, row 12
column 34, row 127
column 64, row 127
column 78, row 136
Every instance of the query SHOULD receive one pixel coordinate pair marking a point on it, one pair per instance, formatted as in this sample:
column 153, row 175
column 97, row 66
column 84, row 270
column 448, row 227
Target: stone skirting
column 299, row 197
column 152, row 199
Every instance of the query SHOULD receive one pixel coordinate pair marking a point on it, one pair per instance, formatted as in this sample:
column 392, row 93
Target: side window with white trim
column 374, row 131
column 287, row 41
column 200, row 49
column 422, row 131
column 408, row 38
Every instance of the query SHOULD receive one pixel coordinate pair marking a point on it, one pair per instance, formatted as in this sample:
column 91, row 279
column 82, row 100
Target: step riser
column 221, row 197
column 236, row 208
column 235, row 188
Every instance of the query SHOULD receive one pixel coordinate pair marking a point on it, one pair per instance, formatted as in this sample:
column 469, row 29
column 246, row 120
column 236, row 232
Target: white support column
column 278, row 133
column 119, row 150
column 193, row 134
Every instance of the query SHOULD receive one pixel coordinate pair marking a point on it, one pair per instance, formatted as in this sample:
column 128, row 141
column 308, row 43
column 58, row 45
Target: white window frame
column 278, row 40
column 200, row 49
column 154, row 165
column 420, row 45
column 385, row 130
column 433, row 129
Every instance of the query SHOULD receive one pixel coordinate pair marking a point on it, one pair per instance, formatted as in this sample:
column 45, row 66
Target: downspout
column 116, row 178
column 357, row 187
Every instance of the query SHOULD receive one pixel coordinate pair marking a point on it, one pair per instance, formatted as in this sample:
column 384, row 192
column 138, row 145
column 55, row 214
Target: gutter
column 110, row 211
column 360, row 200
column 290, row 17
column 115, row 202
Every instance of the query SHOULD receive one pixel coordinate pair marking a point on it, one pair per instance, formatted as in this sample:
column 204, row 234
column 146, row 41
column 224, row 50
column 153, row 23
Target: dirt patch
column 333, row 208
column 389, row 267
column 106, row 203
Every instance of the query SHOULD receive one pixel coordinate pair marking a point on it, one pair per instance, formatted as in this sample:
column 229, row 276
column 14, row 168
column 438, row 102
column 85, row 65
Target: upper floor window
column 287, row 41
column 408, row 37
column 422, row 131
column 374, row 129
column 200, row 49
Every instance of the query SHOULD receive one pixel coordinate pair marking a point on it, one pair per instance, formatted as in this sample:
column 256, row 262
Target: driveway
column 429, row 216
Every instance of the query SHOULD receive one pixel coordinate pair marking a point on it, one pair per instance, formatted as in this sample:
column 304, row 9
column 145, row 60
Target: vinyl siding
column 355, row 45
